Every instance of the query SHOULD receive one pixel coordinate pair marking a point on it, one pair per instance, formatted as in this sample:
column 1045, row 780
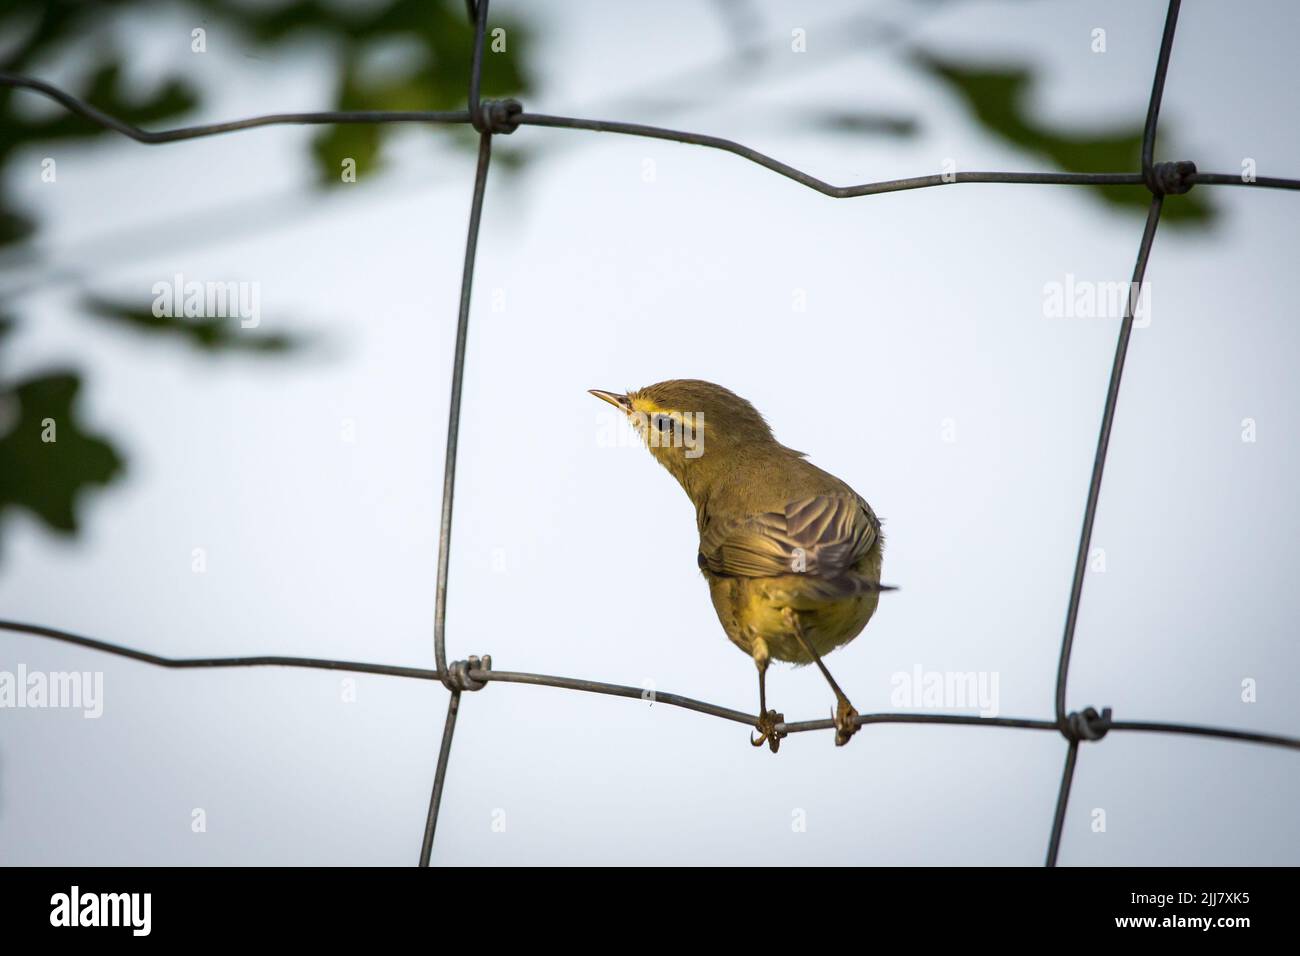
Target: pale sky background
column 922, row 306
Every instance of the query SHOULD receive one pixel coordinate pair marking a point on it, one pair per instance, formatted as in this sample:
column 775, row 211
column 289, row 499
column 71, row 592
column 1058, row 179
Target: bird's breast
column 750, row 608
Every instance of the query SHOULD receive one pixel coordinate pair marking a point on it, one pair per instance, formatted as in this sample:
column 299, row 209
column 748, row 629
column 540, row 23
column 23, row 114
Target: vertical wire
column 1117, row 370
column 1158, row 86
column 453, row 416
column 1099, row 462
column 476, row 62
column 439, row 778
column 1062, row 801
column 453, row 431
column 458, row 364
column 1107, row 421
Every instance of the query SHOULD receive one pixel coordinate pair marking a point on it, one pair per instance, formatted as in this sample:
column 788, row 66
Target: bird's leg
column 767, row 719
column 844, row 712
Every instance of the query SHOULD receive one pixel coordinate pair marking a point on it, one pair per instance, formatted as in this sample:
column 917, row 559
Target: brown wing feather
column 824, row 535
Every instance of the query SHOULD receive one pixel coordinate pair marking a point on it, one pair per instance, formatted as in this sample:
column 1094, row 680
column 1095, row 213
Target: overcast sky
column 923, row 370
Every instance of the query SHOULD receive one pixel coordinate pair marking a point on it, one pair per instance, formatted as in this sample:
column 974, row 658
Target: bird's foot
column 844, row 721
column 767, row 731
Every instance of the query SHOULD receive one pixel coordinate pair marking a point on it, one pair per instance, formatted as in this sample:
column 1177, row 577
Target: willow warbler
column 791, row 554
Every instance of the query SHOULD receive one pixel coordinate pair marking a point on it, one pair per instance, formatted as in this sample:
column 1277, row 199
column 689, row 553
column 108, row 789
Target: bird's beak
column 615, row 399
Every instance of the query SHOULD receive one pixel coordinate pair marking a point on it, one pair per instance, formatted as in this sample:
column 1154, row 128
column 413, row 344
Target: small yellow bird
column 792, row 554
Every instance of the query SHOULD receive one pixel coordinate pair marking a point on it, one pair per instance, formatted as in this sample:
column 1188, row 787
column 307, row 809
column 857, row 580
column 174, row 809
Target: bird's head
column 691, row 426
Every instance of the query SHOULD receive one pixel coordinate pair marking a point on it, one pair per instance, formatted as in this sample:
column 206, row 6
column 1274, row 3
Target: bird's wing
column 824, row 535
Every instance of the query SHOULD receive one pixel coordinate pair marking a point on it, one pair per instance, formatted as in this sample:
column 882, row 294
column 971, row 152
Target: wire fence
column 502, row 117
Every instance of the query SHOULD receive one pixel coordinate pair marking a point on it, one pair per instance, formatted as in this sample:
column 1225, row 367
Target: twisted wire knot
column 1088, row 725
column 458, row 673
column 496, row 116
column 1170, row 179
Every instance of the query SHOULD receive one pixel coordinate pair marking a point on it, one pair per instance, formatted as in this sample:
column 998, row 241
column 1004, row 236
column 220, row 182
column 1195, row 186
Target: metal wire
column 1062, row 801
column 174, row 663
column 1099, row 460
column 1107, row 420
column 503, row 117
column 440, row 777
column 812, row 182
column 453, row 414
column 625, row 690
column 631, row 129
column 100, row 118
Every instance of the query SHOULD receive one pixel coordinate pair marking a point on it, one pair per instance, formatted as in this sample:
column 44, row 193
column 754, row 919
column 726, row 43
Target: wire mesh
column 503, row 117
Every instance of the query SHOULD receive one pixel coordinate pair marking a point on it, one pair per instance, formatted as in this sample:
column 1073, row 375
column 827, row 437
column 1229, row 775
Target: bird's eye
column 664, row 423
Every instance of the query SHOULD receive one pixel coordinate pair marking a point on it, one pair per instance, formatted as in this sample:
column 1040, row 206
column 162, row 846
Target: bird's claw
column 845, row 727
column 767, row 730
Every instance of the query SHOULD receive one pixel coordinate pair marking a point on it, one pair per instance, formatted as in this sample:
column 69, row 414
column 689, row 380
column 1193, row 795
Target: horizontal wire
column 1101, row 726
column 1235, row 179
column 95, row 115
column 1196, row 730
column 85, row 110
column 812, row 182
column 1026, row 723
column 183, row 663
column 616, row 690
column 624, row 690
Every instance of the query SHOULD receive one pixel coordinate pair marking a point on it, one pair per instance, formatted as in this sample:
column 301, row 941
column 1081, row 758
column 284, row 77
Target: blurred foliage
column 861, row 123
column 205, row 334
column 46, row 459
column 998, row 99
column 104, row 89
column 397, row 55
column 400, row 55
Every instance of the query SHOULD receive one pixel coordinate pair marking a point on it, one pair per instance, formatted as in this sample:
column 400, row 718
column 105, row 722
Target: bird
column 792, row 555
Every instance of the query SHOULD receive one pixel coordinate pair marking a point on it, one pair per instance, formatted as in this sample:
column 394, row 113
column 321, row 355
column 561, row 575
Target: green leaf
column 437, row 39
column 206, row 334
column 862, row 123
column 998, row 99
column 44, row 476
